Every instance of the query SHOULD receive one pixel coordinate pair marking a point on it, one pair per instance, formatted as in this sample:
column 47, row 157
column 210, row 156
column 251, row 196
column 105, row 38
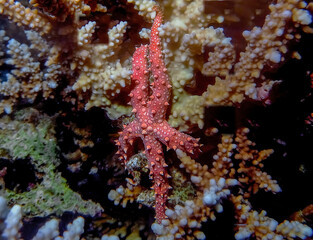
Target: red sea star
column 150, row 123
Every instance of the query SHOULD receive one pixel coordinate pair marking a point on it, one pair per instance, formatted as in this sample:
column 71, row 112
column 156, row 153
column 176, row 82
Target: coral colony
column 77, row 161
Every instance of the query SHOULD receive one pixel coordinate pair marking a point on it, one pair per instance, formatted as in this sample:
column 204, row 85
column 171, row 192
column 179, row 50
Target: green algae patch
column 30, row 136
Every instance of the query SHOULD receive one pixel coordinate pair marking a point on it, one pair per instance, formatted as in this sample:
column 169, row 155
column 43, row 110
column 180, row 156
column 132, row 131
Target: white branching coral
column 24, row 16
column 189, row 110
column 50, row 230
column 13, row 223
column 98, row 72
column 261, row 226
column 27, row 78
column 187, row 35
column 40, row 63
column 74, row 230
column 101, row 71
column 215, row 184
column 145, row 8
column 2, row 39
column 266, row 46
column 85, row 33
column 212, row 185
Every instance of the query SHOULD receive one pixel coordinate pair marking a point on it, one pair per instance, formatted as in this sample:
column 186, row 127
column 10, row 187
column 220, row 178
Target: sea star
column 150, row 105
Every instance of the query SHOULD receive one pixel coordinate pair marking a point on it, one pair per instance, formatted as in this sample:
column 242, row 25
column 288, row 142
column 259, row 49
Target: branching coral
column 50, row 230
column 266, row 46
column 216, row 184
column 98, row 68
column 75, row 56
column 27, row 78
column 101, row 70
column 186, row 40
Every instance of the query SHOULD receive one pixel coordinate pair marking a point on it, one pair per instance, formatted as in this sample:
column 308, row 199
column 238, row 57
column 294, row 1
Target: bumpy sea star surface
column 150, row 103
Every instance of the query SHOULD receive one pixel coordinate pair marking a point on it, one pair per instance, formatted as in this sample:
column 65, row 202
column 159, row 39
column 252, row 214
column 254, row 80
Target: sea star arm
column 140, row 78
column 158, row 173
column 174, row 139
column 126, row 139
column 161, row 95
